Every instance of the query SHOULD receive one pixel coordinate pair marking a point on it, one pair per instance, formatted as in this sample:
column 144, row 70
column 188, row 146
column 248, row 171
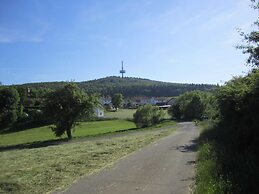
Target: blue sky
column 182, row 41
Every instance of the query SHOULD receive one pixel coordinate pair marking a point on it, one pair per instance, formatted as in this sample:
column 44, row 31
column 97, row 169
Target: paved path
column 164, row 167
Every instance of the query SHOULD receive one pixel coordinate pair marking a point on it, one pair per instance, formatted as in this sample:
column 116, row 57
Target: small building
column 99, row 113
column 105, row 100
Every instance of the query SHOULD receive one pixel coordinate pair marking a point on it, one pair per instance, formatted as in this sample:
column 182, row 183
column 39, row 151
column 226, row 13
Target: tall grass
column 221, row 168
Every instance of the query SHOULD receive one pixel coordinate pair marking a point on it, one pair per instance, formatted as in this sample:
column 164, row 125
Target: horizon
column 175, row 42
column 73, row 81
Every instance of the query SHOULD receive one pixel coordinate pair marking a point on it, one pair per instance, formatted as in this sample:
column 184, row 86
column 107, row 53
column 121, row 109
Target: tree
column 147, row 115
column 9, row 106
column 191, row 105
column 117, row 100
column 194, row 109
column 175, row 111
column 64, row 106
column 252, row 41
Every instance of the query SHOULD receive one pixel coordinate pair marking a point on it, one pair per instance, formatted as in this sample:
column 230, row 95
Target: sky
column 180, row 41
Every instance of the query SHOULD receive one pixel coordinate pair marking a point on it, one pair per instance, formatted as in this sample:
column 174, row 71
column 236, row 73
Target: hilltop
column 128, row 86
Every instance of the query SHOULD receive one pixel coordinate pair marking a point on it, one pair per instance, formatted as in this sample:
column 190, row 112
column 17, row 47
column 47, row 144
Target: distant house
column 166, row 103
column 99, row 112
column 141, row 100
column 105, row 100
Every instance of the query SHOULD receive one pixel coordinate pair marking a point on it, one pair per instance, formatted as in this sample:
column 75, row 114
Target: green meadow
column 120, row 114
column 83, row 129
column 127, row 114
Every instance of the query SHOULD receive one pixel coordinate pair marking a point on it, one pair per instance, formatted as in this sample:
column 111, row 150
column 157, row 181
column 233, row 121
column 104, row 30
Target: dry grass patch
column 47, row 169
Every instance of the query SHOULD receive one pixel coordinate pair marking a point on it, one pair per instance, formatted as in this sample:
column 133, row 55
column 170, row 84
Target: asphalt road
column 164, row 167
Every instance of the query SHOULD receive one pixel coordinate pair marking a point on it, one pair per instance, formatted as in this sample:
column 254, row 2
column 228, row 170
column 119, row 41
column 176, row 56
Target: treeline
column 21, row 107
column 128, row 87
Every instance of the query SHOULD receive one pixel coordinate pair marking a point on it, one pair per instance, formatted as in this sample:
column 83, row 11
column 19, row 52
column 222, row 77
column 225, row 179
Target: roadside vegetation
column 228, row 154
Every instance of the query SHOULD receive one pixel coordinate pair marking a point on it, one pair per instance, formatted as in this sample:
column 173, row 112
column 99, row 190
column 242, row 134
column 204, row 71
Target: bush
column 238, row 104
column 147, row 115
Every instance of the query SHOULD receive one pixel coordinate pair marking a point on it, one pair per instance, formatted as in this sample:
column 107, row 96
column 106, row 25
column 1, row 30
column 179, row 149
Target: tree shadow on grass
column 9, row 187
column 40, row 144
column 37, row 144
column 22, row 127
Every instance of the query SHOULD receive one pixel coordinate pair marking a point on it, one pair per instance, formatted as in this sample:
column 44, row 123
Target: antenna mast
column 122, row 71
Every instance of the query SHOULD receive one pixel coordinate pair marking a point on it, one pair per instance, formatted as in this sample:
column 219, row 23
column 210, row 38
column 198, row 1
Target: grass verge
column 221, row 167
column 51, row 168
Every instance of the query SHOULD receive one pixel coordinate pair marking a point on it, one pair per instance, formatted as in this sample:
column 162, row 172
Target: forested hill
column 129, row 87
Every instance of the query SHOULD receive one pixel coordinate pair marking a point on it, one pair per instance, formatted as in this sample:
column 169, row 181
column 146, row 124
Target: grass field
column 126, row 114
column 42, row 170
column 120, row 114
column 82, row 130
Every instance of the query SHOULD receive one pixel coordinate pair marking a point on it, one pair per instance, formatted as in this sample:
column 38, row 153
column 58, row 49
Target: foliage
column 230, row 165
column 221, row 168
column 238, row 103
column 147, row 115
column 10, row 108
column 128, row 87
column 175, row 111
column 193, row 105
column 252, row 41
column 117, row 100
column 64, row 106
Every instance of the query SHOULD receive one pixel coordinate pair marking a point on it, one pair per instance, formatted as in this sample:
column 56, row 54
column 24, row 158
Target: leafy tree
column 238, row 103
column 252, row 41
column 117, row 100
column 175, row 111
column 64, row 106
column 23, row 94
column 194, row 109
column 9, row 106
column 147, row 115
column 192, row 105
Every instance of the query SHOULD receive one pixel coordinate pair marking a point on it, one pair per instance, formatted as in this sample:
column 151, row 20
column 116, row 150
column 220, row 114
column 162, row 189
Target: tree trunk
column 69, row 134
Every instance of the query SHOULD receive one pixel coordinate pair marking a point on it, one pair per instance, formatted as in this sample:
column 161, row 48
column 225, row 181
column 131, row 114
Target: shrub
column 147, row 115
column 238, row 103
